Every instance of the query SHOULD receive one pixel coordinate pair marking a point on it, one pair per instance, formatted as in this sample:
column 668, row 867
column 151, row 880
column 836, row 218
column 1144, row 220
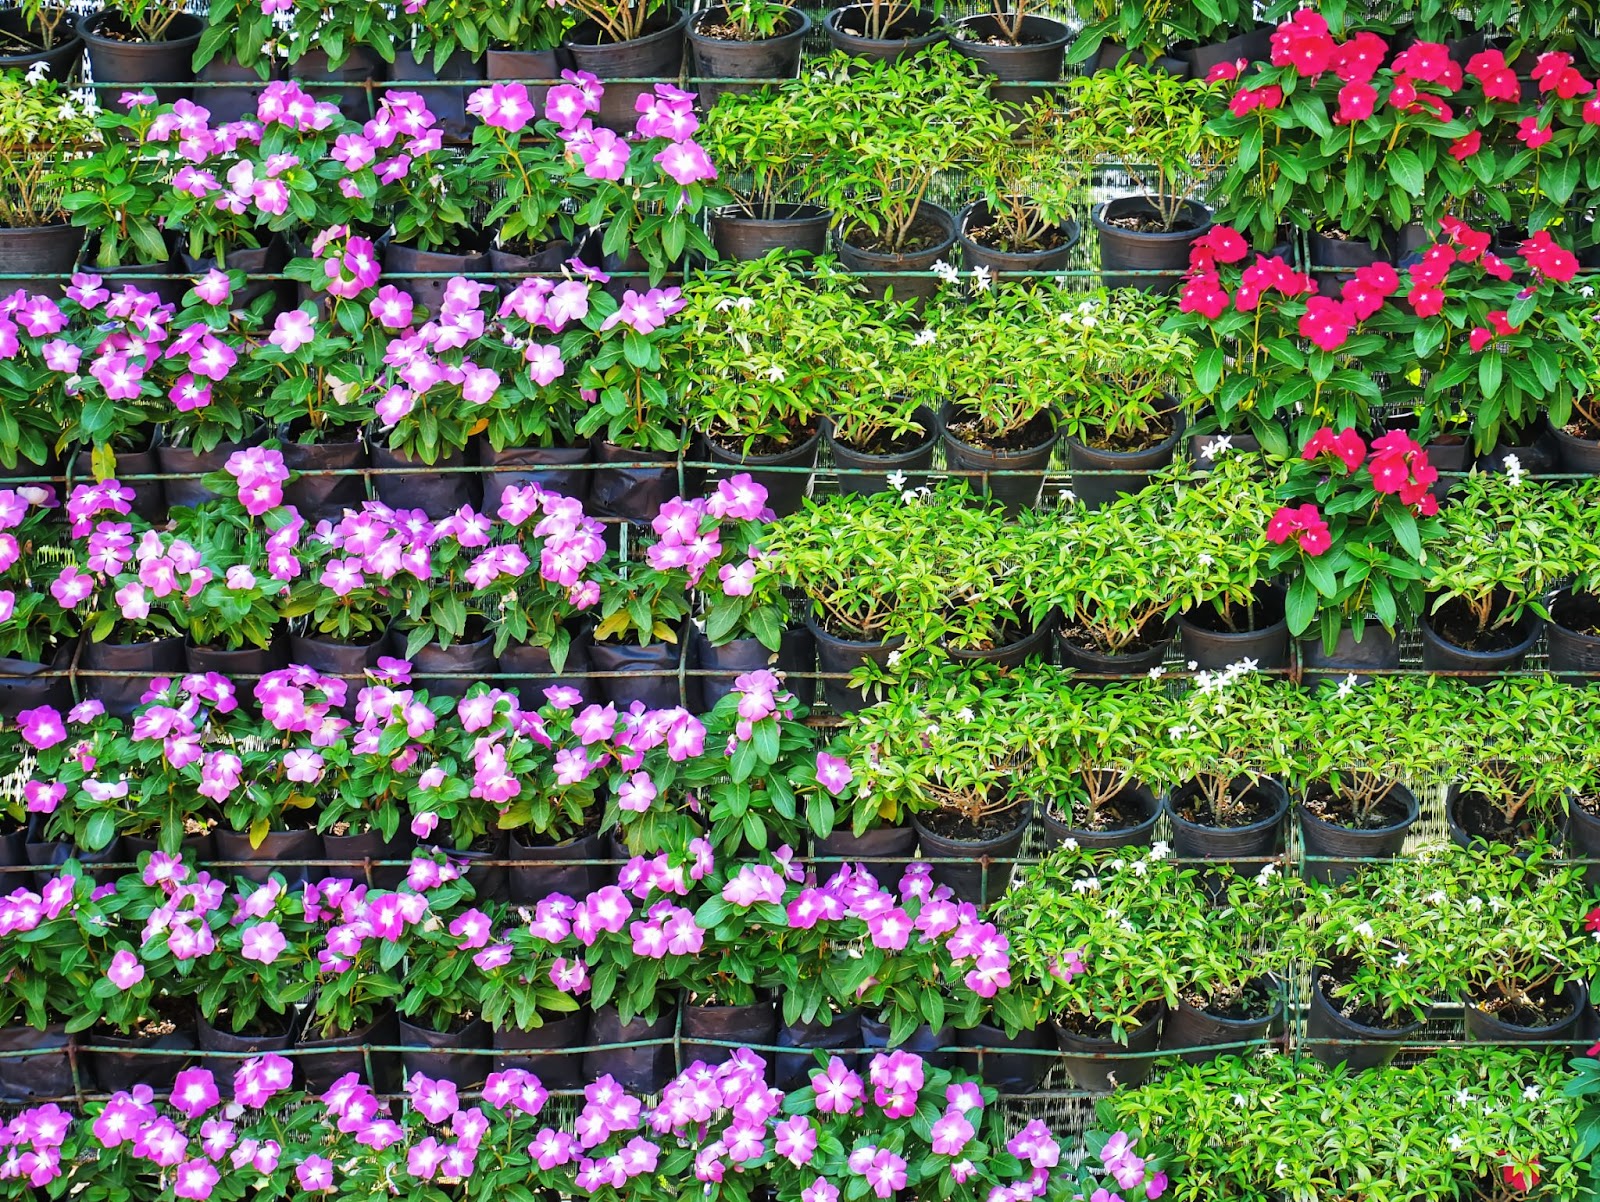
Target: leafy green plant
column 41, row 131
column 1029, row 187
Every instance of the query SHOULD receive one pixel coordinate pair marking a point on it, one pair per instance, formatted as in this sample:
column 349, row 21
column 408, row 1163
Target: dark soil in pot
column 550, row 869
column 1358, row 1035
column 1128, row 469
column 361, row 850
column 973, row 858
column 635, row 483
column 1258, row 631
column 28, row 684
column 1034, row 56
column 1539, row 1014
column 716, row 55
column 1134, row 238
column 1078, row 650
column 1472, row 818
column 1125, row 819
column 47, row 1074
column 639, row 1069
column 975, row 456
column 62, row 61
column 169, row 1027
column 544, row 1050
column 982, row 244
column 924, row 1041
column 1013, row 644
column 743, row 238
column 1089, row 1046
column 276, row 854
column 451, row 671
column 117, row 59
column 1251, row 824
column 657, row 55
column 448, row 1054
column 753, row 1025
column 417, row 485
column 648, row 674
column 796, row 654
column 317, row 493
column 323, row 1059
column 1010, row 1064
column 841, row 656
column 120, row 694
column 1376, row 650
column 531, row 670
column 793, row 1069
column 866, row 470
column 553, row 469
column 1452, row 640
column 1334, row 834
column 1197, row 1026
column 1577, row 447
column 885, row 851
column 905, row 270
column 765, row 461
column 528, row 258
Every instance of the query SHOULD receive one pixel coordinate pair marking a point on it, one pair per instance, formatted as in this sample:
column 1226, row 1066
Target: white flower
column 1217, row 447
column 980, row 279
column 946, row 272
column 1474, row 904
column 1365, row 931
column 925, row 338
column 1514, row 470
column 1456, row 1143
column 1157, row 672
column 1160, row 849
column 1400, row 959
column 1070, row 844
column 1587, row 291
column 1204, row 560
column 38, row 71
column 909, row 496
column 1193, row 664
column 1437, row 898
column 1086, row 884
column 1463, row 1097
column 1268, row 871
column 776, row 374
column 1281, row 1169
column 897, row 481
column 1531, row 1093
column 894, row 658
column 1346, row 686
column 964, row 714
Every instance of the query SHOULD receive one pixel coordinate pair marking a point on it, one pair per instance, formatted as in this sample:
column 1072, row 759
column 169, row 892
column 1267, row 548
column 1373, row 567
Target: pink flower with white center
column 42, row 798
column 291, row 331
column 595, row 724
column 951, row 1133
column 194, row 1091
column 315, row 1174
column 435, row 1100
column 751, row 884
column 62, row 356
column 503, row 106
column 886, row 1172
column 213, row 288
column 392, row 308
column 604, row 155
column 471, row 928
column 890, row 929
column 551, row 1149
column 570, row 976
column 545, row 365
column 125, row 971
column 637, row 793
column 343, row 576
column 1035, row 1145
column 263, row 943
column 480, row 386
column 42, row 728
column 833, row 773
column 738, row 580
column 963, row 1096
column 687, row 163
column 796, row 1140
column 195, row 1179
column 820, row 1190
column 568, row 302
column 838, row 1089
column 71, row 587
column 303, row 766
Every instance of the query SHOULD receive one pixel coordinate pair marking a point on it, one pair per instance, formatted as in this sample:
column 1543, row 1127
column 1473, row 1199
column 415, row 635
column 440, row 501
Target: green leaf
column 1302, row 605
column 1406, row 169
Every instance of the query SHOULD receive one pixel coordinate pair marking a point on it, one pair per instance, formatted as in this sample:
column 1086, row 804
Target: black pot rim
column 1072, row 832
column 1237, row 1023
column 1572, row 440
column 788, row 35
column 1261, row 824
column 1086, row 1042
column 949, row 410
column 935, row 31
column 675, row 27
column 1060, row 39
column 930, row 435
column 823, row 636
column 87, row 26
column 1282, row 623
column 1069, row 226
column 1413, row 812
column 1025, row 806
column 1098, row 217
column 1530, row 619
column 1169, row 443
column 817, row 215
column 794, row 454
column 1387, row 1033
column 1570, row 633
column 940, row 214
column 1575, row 990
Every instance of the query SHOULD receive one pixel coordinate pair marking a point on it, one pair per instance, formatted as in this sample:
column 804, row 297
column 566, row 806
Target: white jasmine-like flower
column 1365, row 931
column 1401, row 959
column 894, row 658
column 1456, row 1143
column 1531, row 1093
column 1463, row 1097
column 964, row 714
column 1346, row 686
column 1514, row 470
column 1070, row 844
column 776, row 374
column 1160, row 849
column 1157, row 672
column 925, row 337
column 980, row 279
column 1204, row 560
column 1086, row 884
column 1217, row 447
column 897, row 481
column 946, row 272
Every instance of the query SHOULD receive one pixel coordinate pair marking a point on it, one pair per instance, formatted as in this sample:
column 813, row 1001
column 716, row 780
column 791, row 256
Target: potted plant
column 525, row 43
column 882, row 159
column 263, row 781
column 139, row 42
column 41, row 132
column 321, row 46
column 40, row 636
column 1023, row 219
column 1199, row 38
column 1091, row 740
column 340, row 602
column 40, row 996
column 1012, row 43
column 448, row 41
column 41, row 34
column 528, row 1012
column 356, row 987
column 775, row 137
column 441, row 1021
column 880, row 430
column 746, row 39
column 1491, row 571
column 626, row 39
column 645, row 603
column 1154, row 125
column 532, row 219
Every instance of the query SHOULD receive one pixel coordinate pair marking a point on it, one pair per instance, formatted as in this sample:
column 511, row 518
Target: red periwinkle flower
column 1469, row 243
column 1224, row 243
column 1404, row 93
column 1591, row 921
column 1247, row 100
column 1305, row 524
column 1356, row 101
column 1304, row 43
column 1591, row 111
column 1498, row 319
column 1548, row 259
column 1434, row 267
column 1203, row 294
column 1346, row 444
column 1326, row 323
column 1520, row 1181
column 1431, row 63
column 1480, row 337
column 1532, row 133
column 1464, row 148
column 1358, row 60
column 1555, row 74
column 1489, row 68
column 1496, row 267
column 1226, row 72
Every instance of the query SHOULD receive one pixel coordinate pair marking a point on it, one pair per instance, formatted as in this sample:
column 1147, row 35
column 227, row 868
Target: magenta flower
column 951, row 1133
column 503, row 106
column 125, row 971
column 833, row 774
column 637, row 793
column 195, row 1179
column 753, row 883
column 263, row 943
column 795, row 1139
column 1035, row 1145
column 42, row 728
column 291, row 331
column 315, row 1174
column 604, row 155
column 687, row 163
column 71, row 587
column 886, row 1174
column 838, row 1089
column 194, row 1091
column 820, row 1190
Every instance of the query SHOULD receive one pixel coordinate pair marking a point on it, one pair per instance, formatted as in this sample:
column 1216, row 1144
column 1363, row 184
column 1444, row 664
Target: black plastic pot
column 448, row 105
column 399, row 260
column 1254, row 46
column 451, row 671
column 40, row 252
column 1334, row 260
column 1195, row 1034
column 777, row 57
column 1100, row 663
column 1133, row 468
column 436, row 493
column 192, row 464
column 196, row 849
column 120, row 694
column 13, row 852
column 318, row 496
column 149, row 497
column 1355, row 1045
column 253, row 261
column 540, row 673
column 323, row 1061
column 215, row 1039
column 446, row 1054
column 146, row 277
column 1378, row 650
column 1011, row 262
column 263, row 861
column 743, row 238
column 636, row 493
column 1035, row 644
column 1464, row 832
column 559, row 1069
column 885, row 851
column 793, row 1069
column 551, row 468
column 1346, row 846
column 797, row 653
column 1111, row 54
column 548, row 258
column 875, row 470
column 527, row 64
column 119, row 1070
column 1123, row 250
column 1140, row 834
column 1197, row 841
column 786, row 490
column 48, row 1074
column 118, row 63
column 1016, row 493
column 550, row 869
column 238, row 665
column 349, row 661
column 923, row 1041
column 24, row 684
column 755, row 1025
column 642, row 1069
column 847, row 31
column 230, row 104
column 1583, row 832
column 61, row 61
column 976, row 870
column 51, row 854
column 890, row 267
column 347, row 85
column 1486, row 1027
column 1576, row 456
column 651, row 673
column 369, row 846
column 1034, row 59
column 1005, row 1062
column 1441, row 655
column 658, row 55
column 844, row 656
column 1211, row 646
column 1534, row 450
column 1085, row 1056
column 488, row 880
column 1570, row 649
